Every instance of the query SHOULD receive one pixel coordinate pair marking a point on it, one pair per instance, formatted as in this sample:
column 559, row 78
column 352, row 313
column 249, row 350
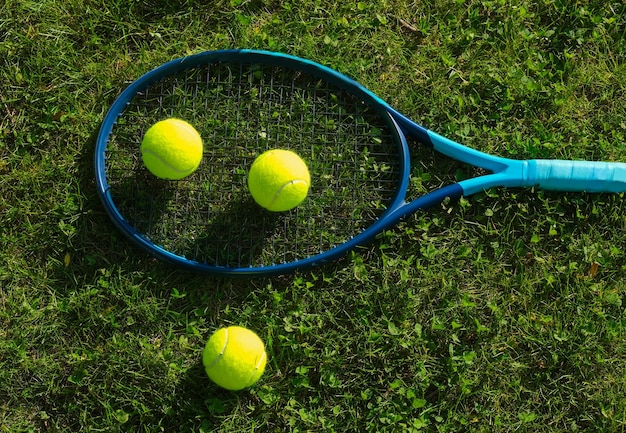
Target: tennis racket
column 244, row 102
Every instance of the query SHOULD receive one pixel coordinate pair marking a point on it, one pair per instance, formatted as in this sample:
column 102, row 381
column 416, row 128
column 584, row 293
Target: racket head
column 244, row 102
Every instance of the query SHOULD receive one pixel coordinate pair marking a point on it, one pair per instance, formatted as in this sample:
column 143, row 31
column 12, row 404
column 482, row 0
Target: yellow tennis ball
column 234, row 358
column 171, row 149
column 279, row 180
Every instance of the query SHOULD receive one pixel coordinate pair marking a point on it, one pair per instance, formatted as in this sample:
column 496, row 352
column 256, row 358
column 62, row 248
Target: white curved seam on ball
column 221, row 354
column 280, row 190
column 163, row 161
column 256, row 369
column 188, row 127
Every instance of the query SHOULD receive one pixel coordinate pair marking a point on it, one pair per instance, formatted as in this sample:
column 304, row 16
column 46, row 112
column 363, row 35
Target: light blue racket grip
column 588, row 176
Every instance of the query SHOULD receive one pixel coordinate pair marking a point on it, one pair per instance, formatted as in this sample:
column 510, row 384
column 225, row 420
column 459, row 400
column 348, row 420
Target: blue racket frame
column 557, row 175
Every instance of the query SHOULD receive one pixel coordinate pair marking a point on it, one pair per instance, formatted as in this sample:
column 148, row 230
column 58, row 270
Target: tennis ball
column 171, row 149
column 234, row 358
column 279, row 180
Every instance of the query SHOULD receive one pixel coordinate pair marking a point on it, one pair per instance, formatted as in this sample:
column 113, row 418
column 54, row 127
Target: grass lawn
column 501, row 313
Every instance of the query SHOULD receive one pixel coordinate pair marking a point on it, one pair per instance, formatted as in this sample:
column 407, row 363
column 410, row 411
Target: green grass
column 501, row 313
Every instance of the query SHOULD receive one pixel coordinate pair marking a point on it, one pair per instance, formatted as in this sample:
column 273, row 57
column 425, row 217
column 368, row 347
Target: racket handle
column 586, row 176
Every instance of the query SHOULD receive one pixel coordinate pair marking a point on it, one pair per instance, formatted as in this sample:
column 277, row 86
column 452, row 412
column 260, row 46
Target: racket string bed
column 241, row 110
